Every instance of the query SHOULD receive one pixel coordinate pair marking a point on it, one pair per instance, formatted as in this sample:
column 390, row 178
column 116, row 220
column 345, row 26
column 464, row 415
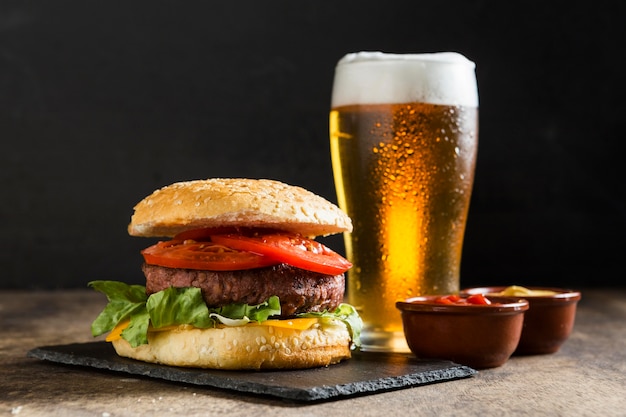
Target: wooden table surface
column 586, row 377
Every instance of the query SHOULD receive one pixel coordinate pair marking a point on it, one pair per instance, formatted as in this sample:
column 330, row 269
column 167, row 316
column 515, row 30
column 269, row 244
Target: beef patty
column 299, row 290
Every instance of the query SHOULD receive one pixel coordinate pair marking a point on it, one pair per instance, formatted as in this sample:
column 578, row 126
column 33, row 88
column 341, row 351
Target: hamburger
column 238, row 282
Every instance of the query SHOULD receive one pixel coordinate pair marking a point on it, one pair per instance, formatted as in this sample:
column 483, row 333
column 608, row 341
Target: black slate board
column 365, row 373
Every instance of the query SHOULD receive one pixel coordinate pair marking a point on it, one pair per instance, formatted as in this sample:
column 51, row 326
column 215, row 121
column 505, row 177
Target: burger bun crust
column 238, row 202
column 250, row 347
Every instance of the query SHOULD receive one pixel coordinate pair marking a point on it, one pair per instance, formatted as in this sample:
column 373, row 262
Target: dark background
column 103, row 102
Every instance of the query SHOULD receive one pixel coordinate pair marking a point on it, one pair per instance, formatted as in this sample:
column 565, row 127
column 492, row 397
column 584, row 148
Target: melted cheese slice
column 296, row 324
column 116, row 333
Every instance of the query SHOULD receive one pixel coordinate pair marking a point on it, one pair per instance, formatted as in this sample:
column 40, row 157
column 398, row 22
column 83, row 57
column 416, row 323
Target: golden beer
column 404, row 173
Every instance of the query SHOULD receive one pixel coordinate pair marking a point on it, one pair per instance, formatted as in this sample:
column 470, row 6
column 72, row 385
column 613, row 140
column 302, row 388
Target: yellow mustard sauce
column 517, row 291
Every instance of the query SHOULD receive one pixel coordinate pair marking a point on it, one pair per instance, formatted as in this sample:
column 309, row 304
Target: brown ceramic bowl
column 548, row 321
column 480, row 336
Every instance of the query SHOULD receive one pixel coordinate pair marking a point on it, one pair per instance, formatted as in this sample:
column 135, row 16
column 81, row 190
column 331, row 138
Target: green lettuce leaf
column 124, row 301
column 178, row 306
column 260, row 312
column 170, row 307
column 137, row 331
column 345, row 313
column 174, row 306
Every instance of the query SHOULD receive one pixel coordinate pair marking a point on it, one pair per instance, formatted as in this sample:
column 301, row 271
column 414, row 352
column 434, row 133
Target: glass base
column 379, row 341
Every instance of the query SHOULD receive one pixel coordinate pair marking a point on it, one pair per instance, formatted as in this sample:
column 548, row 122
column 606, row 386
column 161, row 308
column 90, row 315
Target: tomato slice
column 191, row 254
column 289, row 248
column 478, row 299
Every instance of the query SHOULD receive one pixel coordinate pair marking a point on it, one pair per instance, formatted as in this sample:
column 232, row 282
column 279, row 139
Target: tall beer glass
column 404, row 137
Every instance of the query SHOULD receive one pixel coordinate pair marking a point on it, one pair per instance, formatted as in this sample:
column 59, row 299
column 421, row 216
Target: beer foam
column 446, row 78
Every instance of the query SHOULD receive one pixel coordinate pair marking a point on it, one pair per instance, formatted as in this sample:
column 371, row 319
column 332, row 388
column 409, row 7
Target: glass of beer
column 404, row 138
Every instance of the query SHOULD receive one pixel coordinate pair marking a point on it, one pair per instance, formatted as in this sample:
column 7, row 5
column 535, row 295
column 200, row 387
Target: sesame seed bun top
column 240, row 202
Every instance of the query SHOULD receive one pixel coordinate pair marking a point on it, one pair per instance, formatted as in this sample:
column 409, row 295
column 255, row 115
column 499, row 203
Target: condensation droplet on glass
column 457, row 150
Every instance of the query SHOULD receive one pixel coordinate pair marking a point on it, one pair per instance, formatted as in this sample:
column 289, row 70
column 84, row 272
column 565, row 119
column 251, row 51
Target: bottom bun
column 245, row 347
